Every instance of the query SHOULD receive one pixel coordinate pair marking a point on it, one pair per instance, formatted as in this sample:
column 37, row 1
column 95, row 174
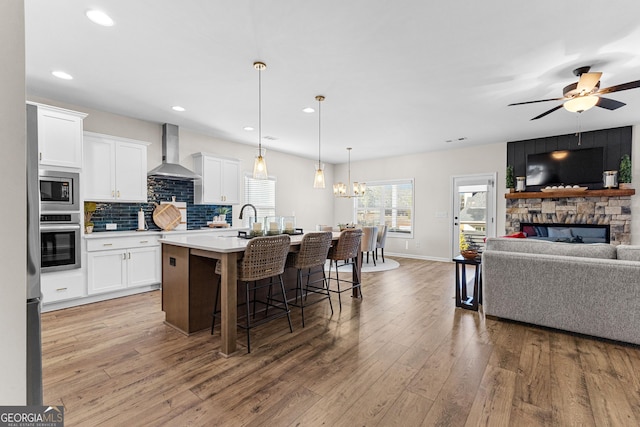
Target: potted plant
column 510, row 181
column 624, row 172
column 89, row 209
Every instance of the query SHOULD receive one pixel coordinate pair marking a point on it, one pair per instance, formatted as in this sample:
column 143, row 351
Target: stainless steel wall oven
column 60, row 235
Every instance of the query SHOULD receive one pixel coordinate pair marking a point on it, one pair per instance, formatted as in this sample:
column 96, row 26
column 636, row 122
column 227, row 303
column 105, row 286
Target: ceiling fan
column 585, row 94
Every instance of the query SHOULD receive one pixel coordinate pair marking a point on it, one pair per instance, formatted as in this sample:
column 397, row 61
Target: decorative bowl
column 469, row 253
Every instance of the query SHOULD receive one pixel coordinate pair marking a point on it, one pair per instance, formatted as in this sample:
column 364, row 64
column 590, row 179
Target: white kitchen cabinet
column 59, row 136
column 115, row 263
column 62, row 285
column 115, row 169
column 220, row 183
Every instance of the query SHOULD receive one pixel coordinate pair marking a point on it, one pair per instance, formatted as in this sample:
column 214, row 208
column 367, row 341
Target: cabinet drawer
column 107, row 243
column 58, row 286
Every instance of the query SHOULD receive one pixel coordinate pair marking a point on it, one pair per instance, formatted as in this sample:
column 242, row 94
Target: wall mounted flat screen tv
column 566, row 167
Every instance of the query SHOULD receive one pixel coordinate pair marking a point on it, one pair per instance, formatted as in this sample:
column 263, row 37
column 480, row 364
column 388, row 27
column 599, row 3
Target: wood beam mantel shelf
column 567, row 193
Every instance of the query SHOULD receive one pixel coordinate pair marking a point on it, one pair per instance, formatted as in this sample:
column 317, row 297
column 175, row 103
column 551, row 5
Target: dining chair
column 309, row 262
column 347, row 249
column 264, row 258
column 381, row 240
column 368, row 242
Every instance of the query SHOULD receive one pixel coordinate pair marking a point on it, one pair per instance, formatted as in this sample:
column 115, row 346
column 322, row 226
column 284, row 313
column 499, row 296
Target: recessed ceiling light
column 100, row 18
column 62, row 75
column 308, row 110
column 248, row 128
column 177, row 108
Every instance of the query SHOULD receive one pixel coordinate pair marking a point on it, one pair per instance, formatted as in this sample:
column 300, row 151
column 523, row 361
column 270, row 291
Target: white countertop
column 214, row 243
column 163, row 233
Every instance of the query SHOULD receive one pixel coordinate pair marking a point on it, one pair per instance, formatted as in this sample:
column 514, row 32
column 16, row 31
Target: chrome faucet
column 255, row 212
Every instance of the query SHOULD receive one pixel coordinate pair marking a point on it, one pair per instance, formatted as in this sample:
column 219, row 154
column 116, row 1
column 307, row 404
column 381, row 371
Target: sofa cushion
column 629, row 252
column 595, row 250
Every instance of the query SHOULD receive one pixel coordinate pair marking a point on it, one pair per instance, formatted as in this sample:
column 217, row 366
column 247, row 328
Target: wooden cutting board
column 167, row 216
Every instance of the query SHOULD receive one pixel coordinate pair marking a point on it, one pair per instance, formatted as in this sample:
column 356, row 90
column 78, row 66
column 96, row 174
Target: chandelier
column 357, row 189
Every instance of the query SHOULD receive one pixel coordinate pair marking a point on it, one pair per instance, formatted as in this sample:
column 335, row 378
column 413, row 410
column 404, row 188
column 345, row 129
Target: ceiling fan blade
column 618, row 88
column 609, row 104
column 547, row 112
column 588, row 81
column 533, row 102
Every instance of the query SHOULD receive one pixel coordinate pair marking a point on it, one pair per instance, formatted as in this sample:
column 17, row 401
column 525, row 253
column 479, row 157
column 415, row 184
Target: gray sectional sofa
column 592, row 289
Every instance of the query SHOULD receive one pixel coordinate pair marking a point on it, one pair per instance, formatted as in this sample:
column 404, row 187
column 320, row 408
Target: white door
column 106, row 271
column 473, row 206
column 131, row 172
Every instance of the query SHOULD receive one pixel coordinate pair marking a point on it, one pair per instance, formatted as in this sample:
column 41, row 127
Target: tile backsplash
column 125, row 215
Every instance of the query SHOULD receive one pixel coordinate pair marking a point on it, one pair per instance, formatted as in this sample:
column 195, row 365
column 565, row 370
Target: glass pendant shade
column 260, row 166
column 318, row 180
column 581, row 103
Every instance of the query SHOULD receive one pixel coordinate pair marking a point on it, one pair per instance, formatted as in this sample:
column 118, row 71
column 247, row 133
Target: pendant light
column 357, row 189
column 318, row 181
column 260, row 165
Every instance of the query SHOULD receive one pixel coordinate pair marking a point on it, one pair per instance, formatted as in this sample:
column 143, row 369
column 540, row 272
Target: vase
column 88, row 229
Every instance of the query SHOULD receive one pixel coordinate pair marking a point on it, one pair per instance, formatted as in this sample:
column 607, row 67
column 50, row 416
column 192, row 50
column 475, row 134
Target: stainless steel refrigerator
column 34, row 295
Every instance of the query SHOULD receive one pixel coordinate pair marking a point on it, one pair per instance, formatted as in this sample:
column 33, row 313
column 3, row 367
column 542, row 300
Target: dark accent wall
column 125, row 215
column 616, row 142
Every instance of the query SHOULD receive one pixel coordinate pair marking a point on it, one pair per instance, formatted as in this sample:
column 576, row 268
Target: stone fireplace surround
column 614, row 211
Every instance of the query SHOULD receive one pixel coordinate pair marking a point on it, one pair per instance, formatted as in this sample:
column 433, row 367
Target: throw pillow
column 541, row 231
column 529, row 230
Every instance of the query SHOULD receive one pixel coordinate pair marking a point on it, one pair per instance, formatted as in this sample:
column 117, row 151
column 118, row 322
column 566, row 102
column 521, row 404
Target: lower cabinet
column 127, row 266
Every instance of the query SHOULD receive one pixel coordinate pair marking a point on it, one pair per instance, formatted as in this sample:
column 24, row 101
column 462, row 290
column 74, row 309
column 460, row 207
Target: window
column 390, row 203
column 261, row 193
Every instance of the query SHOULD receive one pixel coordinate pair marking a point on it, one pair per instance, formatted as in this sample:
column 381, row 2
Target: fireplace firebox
column 571, row 233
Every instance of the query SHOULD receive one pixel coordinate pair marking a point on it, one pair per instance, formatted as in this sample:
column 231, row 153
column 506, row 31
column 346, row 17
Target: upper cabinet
column 220, row 183
column 59, row 136
column 115, row 169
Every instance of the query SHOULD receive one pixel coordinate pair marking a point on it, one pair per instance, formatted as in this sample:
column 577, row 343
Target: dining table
column 188, row 282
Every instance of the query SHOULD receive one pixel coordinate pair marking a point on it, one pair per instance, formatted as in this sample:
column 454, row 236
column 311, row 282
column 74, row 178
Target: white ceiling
column 399, row 76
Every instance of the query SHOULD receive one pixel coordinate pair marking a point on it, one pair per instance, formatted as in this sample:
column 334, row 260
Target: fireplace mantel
column 569, row 194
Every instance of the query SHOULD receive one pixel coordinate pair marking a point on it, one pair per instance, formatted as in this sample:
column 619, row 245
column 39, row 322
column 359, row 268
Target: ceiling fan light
column 581, row 103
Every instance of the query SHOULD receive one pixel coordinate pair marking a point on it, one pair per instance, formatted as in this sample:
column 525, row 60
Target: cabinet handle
column 128, row 255
column 40, row 156
column 118, row 194
column 113, row 193
column 61, row 289
column 124, row 256
column 107, row 244
column 144, row 241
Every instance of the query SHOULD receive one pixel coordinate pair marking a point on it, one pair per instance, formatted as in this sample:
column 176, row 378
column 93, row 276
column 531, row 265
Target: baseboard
column 59, row 305
column 411, row 256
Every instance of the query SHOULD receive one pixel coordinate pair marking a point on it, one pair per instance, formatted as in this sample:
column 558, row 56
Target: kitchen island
column 188, row 282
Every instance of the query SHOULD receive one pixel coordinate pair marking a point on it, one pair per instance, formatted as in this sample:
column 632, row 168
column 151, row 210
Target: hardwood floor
column 403, row 356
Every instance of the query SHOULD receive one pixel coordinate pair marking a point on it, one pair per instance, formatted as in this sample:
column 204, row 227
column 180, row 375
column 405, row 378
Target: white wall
column 13, row 261
column 432, row 172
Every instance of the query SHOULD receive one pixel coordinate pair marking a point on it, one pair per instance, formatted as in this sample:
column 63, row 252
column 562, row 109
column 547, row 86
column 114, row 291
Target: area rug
column 389, row 264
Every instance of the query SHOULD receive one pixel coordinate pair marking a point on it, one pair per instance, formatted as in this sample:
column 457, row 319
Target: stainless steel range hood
column 170, row 167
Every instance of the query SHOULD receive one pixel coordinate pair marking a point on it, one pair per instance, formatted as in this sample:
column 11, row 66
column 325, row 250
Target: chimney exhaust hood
column 170, row 167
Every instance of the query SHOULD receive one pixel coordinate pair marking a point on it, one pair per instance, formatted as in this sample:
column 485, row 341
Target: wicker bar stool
column 264, row 258
column 309, row 261
column 347, row 249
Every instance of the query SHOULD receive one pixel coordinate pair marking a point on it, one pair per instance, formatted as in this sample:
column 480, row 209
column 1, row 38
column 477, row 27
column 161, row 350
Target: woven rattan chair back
column 313, row 250
column 264, row 257
column 348, row 245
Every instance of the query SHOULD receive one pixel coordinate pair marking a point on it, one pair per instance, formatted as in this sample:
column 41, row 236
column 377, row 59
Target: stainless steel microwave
column 59, row 191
